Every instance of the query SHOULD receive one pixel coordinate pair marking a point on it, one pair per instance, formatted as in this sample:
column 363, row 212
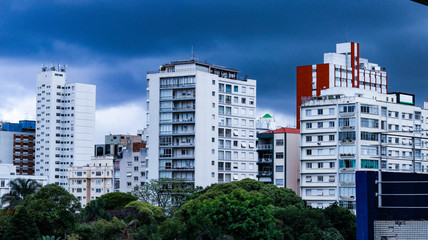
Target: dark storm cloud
column 264, row 39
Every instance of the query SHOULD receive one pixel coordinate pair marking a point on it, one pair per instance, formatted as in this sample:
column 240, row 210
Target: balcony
column 264, row 174
column 264, row 161
column 177, row 133
column 179, row 109
column 347, row 155
column 264, row 147
column 347, row 141
column 347, row 128
column 178, row 85
column 176, row 168
column 176, row 156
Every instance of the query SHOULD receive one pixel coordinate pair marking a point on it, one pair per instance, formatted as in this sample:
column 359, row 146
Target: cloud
column 122, row 119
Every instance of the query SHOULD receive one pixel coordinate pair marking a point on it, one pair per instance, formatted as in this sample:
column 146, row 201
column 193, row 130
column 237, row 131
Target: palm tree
column 20, row 188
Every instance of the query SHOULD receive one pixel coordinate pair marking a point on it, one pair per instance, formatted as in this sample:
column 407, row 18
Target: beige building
column 89, row 182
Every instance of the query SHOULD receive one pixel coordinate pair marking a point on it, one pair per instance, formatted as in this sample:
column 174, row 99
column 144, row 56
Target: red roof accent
column 284, row 130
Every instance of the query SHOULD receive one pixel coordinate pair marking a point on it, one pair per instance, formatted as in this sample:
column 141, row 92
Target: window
column 280, row 142
column 346, row 136
column 235, row 88
column 369, row 163
column 369, row 123
column 308, row 152
column 347, row 163
column 308, row 112
column 279, row 168
column 371, row 109
column 308, row 165
column 331, row 124
column 279, row 181
column 308, row 125
column 279, row 155
column 331, row 111
column 320, row 178
column 369, row 136
column 320, row 138
column 308, row 178
column 320, row 124
column 331, row 137
column 308, row 138
column 320, row 111
column 350, row 108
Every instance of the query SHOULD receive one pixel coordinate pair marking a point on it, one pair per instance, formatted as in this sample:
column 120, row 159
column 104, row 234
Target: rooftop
column 284, row 130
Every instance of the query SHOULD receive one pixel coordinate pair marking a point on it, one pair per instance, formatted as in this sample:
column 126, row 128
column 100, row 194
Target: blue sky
column 114, row 43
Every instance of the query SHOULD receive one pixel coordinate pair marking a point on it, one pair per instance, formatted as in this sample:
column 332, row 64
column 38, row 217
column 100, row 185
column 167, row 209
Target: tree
column 20, row 188
column 54, row 210
column 343, row 220
column 240, row 214
column 147, row 213
column 282, row 197
column 22, row 226
column 167, row 193
column 116, row 200
column 301, row 223
column 109, row 230
column 95, row 210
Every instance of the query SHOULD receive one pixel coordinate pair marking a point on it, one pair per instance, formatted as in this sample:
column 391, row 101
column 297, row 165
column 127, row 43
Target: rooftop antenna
column 346, row 34
column 193, row 54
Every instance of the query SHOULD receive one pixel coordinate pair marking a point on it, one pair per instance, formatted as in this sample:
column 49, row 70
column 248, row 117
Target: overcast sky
column 114, row 43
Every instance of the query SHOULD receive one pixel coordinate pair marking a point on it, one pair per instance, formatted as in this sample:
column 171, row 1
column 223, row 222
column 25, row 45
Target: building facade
column 90, row 182
column 201, row 123
column 8, row 173
column 65, row 124
column 17, row 146
column 133, row 169
column 349, row 129
column 343, row 68
column 279, row 158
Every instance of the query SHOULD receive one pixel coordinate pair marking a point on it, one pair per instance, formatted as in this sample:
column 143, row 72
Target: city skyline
column 114, row 46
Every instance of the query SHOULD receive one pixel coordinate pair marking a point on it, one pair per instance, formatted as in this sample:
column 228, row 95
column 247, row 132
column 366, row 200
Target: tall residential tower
column 65, row 124
column 201, row 123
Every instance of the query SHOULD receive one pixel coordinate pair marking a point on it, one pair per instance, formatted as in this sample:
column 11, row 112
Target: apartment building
column 343, row 68
column 65, row 124
column 279, row 158
column 8, row 172
column 90, row 182
column 201, row 123
column 348, row 129
column 17, row 145
column 133, row 169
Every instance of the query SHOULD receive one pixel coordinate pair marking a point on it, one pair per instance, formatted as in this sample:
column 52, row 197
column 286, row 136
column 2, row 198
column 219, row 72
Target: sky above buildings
column 114, row 43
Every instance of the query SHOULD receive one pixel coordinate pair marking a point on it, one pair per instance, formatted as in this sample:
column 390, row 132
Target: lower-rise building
column 8, row 173
column 89, row 182
column 133, row 171
column 279, row 158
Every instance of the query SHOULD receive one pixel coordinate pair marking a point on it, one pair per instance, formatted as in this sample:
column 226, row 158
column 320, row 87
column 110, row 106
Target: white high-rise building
column 201, row 123
column 348, row 129
column 65, row 124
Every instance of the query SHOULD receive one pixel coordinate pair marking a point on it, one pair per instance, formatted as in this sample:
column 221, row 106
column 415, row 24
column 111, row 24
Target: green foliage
column 54, row 210
column 22, row 226
column 167, row 193
column 300, row 223
column 95, row 210
column 343, row 220
column 239, row 214
column 116, row 200
column 147, row 212
column 20, row 188
column 282, row 197
column 49, row 238
column 5, row 221
column 109, row 230
column 330, row 234
column 84, row 232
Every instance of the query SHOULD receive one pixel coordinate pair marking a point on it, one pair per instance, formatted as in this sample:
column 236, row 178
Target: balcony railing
column 265, row 160
column 177, row 85
column 264, row 146
column 177, row 132
column 265, row 173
